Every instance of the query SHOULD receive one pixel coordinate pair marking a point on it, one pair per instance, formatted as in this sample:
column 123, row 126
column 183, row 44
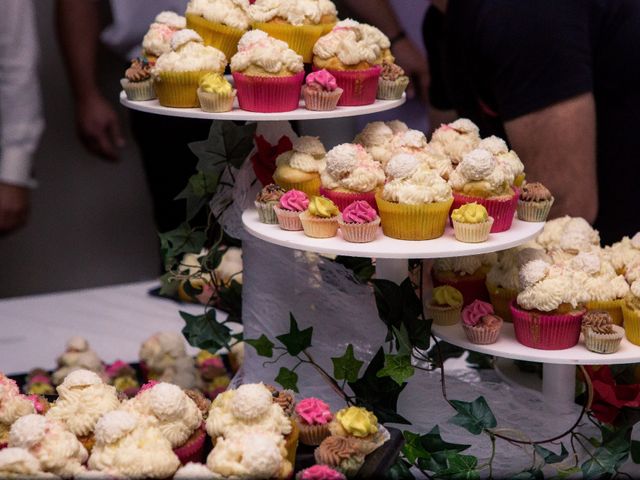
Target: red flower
column 264, row 160
column 609, row 397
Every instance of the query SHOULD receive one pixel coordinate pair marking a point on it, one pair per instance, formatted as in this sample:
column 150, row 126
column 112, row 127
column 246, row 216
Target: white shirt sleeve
column 21, row 121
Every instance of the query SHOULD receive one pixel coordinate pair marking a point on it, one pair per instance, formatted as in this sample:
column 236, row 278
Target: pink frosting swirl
column 314, row 412
column 148, row 386
column 113, row 369
column 37, row 404
column 359, row 212
column 472, row 314
column 322, row 79
column 320, row 472
column 294, row 201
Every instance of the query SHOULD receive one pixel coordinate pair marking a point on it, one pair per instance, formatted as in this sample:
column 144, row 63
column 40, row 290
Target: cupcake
column 77, row 355
column 415, row 202
column 480, row 324
column 341, row 453
column 392, row 82
column 623, row 254
column 479, row 178
column 221, row 23
column 163, row 356
column 178, row 418
column 82, row 399
column 359, row 222
column 137, row 82
column 321, row 91
column 268, row 197
column 157, row 40
column 194, row 471
column 288, row 210
column 284, row 399
column 377, row 139
column 505, row 157
column 13, row 406
column 414, row 142
column 132, row 445
column 445, row 305
column 299, row 24
column 19, row 463
column 471, row 223
column 313, row 417
column 320, row 220
column 215, row 93
column 122, row 376
column 467, row 274
column 631, row 313
column 267, row 74
column 177, row 74
column 534, row 203
column 320, row 472
column 57, row 449
column 300, row 167
column 362, row 426
column 571, row 235
column 350, row 174
column 353, row 53
column 456, row 139
column 256, row 454
column 600, row 334
column 39, row 382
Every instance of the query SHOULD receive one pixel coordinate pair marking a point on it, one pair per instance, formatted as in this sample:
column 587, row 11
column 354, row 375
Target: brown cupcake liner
column 266, row 213
column 392, row 89
column 214, row 102
column 472, row 232
column 359, row 232
column 481, row 335
column 312, row 435
column 287, row 219
column 138, row 91
column 604, row 342
column 534, row 211
column 321, row 101
column 317, row 227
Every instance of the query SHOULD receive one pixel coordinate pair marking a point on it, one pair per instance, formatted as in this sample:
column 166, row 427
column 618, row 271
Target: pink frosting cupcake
column 313, row 417
column 320, row 472
column 359, row 222
column 321, row 91
column 480, row 324
column 289, row 208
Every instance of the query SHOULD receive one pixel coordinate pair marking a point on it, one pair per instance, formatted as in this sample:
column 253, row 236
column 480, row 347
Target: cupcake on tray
column 471, row 223
column 13, row 405
column 340, row 453
column 20, row 464
column 267, row 74
column 288, row 210
column 313, row 416
column 445, row 306
column 177, row 74
column 359, row 222
column 137, row 82
column 631, row 313
column 122, row 376
column 480, row 324
column 534, row 202
column 599, row 332
column 456, row 139
column 353, row 52
column 268, row 198
column 392, row 82
column 415, row 202
column 467, row 274
column 321, row 91
column 300, row 24
column 300, row 167
column 320, row 472
column 221, row 23
column 360, row 425
column 350, row 174
column 623, row 254
column 157, row 40
column 505, row 157
column 163, row 356
column 215, row 93
column 285, row 399
column 415, row 143
column 320, row 220
column 377, row 139
column 78, row 355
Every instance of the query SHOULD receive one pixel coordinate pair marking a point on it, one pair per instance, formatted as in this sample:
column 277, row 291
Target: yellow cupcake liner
column 501, row 299
column 178, row 89
column 327, row 27
column 472, row 232
column 318, row 227
column 612, row 307
column 444, row 315
column 310, row 187
column 631, row 324
column 413, row 222
column 291, row 443
column 216, row 35
column 214, row 102
column 300, row 39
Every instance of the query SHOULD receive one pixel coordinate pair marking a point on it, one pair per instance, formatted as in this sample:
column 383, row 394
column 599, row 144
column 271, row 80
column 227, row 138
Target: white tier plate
column 386, row 247
column 152, row 106
column 508, row 347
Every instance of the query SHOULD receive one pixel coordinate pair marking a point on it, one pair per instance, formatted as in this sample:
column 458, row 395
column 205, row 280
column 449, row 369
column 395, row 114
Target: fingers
column 99, row 129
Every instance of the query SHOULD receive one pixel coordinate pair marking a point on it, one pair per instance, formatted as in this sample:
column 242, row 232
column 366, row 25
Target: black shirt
column 496, row 60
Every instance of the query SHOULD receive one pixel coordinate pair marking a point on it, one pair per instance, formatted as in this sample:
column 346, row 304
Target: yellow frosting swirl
column 215, row 83
column 358, row 421
column 322, row 207
column 447, row 295
column 470, row 213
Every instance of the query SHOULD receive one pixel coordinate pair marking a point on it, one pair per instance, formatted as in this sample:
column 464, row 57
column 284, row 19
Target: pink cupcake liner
column 268, row 94
column 546, row 332
column 287, row 219
column 360, row 87
column 193, row 451
column 502, row 211
column 471, row 288
column 3, row 445
column 481, row 335
column 344, row 199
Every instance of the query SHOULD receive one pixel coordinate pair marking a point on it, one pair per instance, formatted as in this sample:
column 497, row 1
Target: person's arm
column 78, row 27
column 407, row 54
column 558, row 147
column 21, row 122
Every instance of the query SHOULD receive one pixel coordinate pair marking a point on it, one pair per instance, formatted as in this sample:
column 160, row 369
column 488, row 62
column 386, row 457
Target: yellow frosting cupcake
column 362, row 426
column 446, row 305
column 320, row 220
column 215, row 93
column 471, row 223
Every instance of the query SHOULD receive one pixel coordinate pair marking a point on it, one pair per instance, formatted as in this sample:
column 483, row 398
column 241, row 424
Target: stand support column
column 559, row 387
column 394, row 269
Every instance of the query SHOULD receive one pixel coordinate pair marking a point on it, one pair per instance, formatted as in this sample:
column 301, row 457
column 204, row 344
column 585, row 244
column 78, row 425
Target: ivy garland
column 375, row 385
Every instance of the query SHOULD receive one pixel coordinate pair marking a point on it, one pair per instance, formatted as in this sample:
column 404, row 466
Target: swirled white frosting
column 194, row 471
column 307, row 155
column 350, row 167
column 481, row 168
column 295, row 12
column 456, row 139
column 189, row 54
column 171, row 19
column 423, row 186
column 352, row 42
column 256, row 48
column 568, row 233
column 157, row 40
column 13, row 405
column 624, row 252
column 233, row 13
column 504, row 273
column 19, row 463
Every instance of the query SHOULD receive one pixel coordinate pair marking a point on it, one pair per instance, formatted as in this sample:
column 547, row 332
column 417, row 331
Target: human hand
column 14, row 207
column 415, row 65
column 99, row 127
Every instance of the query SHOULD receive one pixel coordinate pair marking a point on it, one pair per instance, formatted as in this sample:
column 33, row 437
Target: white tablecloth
column 115, row 320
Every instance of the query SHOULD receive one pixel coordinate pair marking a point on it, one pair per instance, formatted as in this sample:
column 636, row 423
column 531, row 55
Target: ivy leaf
column 532, row 474
column 231, row 301
column 361, row 267
column 181, row 240
column 191, row 290
column 204, row 331
column 288, row 379
column 635, row 451
column 168, row 285
column 226, row 141
column 413, row 448
column 459, row 467
column 263, row 346
column 398, row 367
column 347, row 366
column 433, row 442
column 568, row 472
column 473, row 416
column 401, row 470
column 296, row 340
column 600, row 463
column 403, row 344
column 549, row 457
